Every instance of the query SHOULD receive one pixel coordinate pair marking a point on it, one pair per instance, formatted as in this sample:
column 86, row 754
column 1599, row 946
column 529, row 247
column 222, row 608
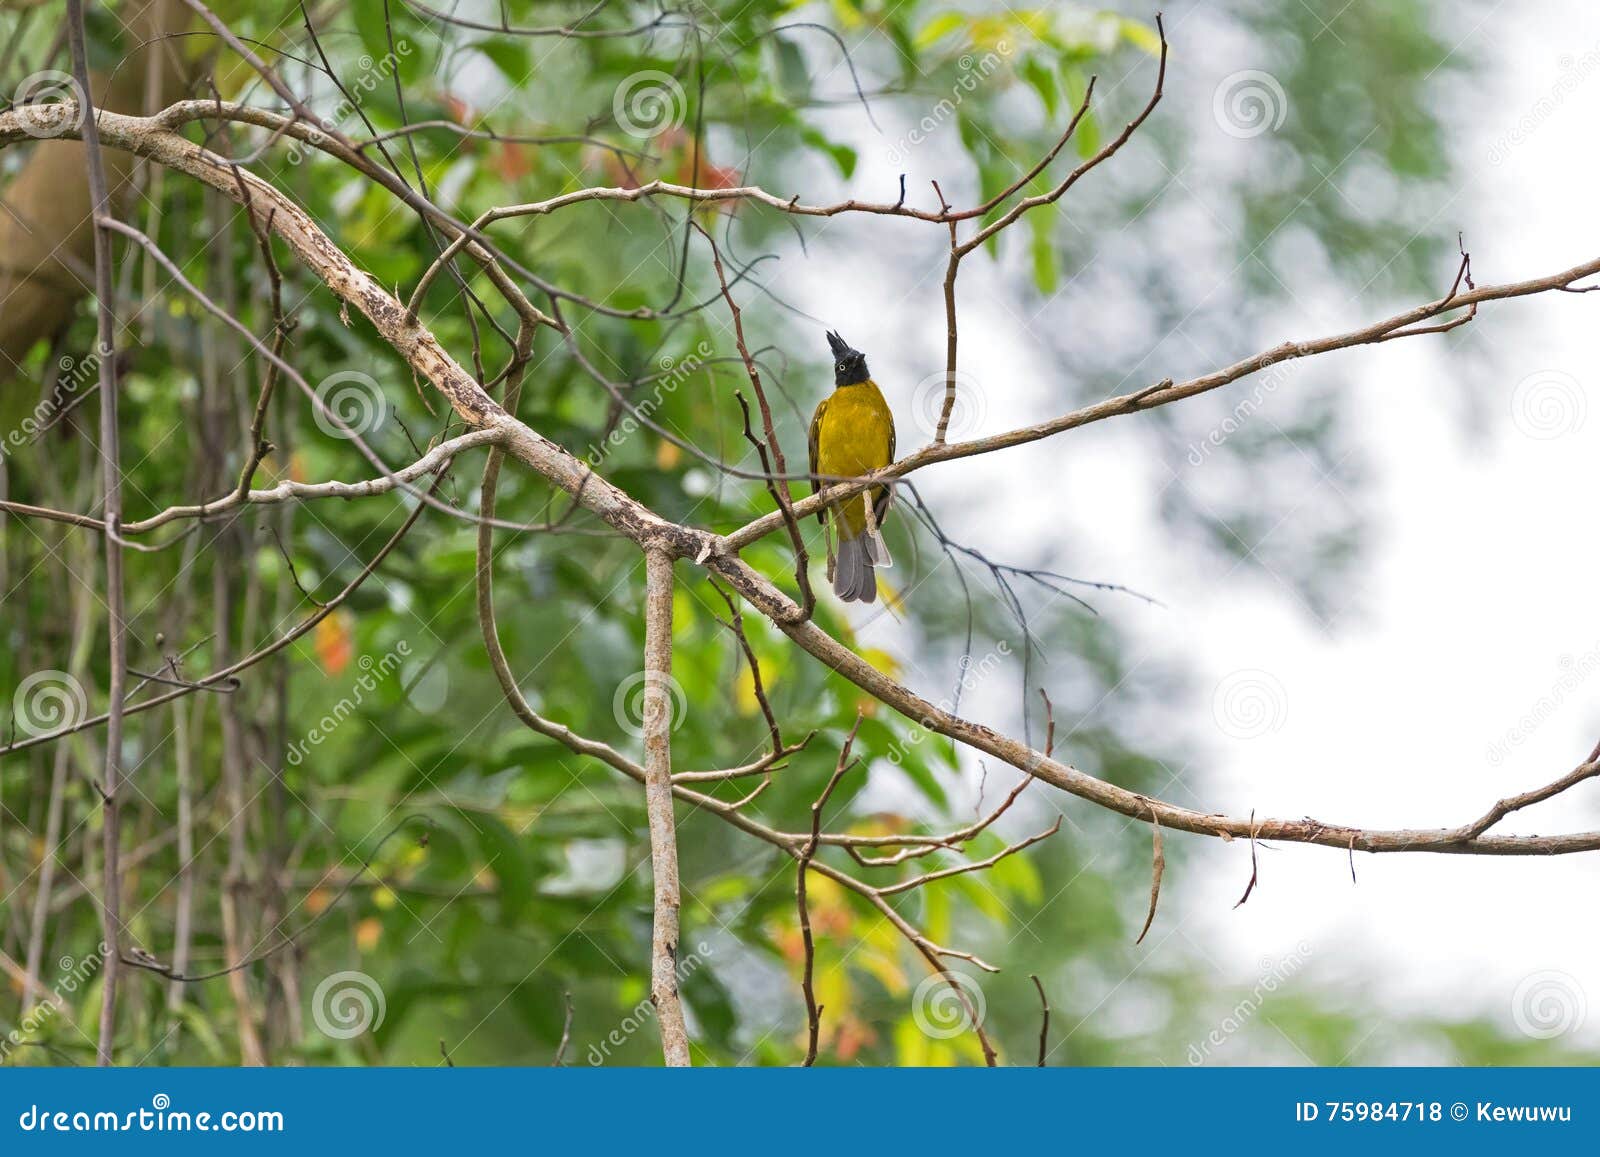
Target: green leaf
column 712, row 1006
column 503, row 855
column 195, row 1020
column 844, row 157
column 793, row 80
column 939, row 27
column 1042, row 81
column 509, row 56
column 1046, row 269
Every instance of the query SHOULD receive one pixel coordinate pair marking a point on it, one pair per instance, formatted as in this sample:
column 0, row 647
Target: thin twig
column 566, row 1034
column 1158, row 865
column 1044, row 1020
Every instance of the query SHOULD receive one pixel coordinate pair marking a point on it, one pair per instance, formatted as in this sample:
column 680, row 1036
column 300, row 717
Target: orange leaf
column 335, row 642
column 510, row 160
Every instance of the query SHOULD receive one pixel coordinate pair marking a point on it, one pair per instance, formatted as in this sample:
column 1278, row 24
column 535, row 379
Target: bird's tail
column 853, row 578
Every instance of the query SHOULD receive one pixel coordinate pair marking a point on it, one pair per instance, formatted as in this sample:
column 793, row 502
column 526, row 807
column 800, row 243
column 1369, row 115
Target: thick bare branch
column 658, row 713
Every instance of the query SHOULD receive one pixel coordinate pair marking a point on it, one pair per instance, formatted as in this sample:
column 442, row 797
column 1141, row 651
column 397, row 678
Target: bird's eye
column 839, row 366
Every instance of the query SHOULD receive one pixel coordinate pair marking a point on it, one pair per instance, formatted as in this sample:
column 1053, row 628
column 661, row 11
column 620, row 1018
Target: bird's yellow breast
column 855, row 434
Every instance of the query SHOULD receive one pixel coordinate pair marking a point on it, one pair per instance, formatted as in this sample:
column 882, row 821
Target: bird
column 852, row 433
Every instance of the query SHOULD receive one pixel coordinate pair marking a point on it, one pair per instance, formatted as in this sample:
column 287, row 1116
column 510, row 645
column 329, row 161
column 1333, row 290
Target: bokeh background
column 1359, row 587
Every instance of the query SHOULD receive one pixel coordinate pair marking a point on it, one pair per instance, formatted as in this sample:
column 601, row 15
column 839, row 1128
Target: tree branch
column 658, row 720
column 111, row 464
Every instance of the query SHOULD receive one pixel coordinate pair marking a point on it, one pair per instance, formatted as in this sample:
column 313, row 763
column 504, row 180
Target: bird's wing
column 880, row 507
column 816, row 429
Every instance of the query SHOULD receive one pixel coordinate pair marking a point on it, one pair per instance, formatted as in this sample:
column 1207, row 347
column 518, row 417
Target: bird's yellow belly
column 853, row 439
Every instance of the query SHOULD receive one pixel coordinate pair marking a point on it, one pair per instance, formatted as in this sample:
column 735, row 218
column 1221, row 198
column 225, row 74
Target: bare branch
column 658, row 711
column 111, row 502
column 974, row 866
column 807, row 987
column 1158, row 865
column 1044, row 1021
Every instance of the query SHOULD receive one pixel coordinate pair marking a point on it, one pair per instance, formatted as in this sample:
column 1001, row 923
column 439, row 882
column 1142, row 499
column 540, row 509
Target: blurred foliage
column 532, row 881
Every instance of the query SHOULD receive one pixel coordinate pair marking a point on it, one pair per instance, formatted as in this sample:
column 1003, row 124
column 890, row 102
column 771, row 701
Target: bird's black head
column 849, row 366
